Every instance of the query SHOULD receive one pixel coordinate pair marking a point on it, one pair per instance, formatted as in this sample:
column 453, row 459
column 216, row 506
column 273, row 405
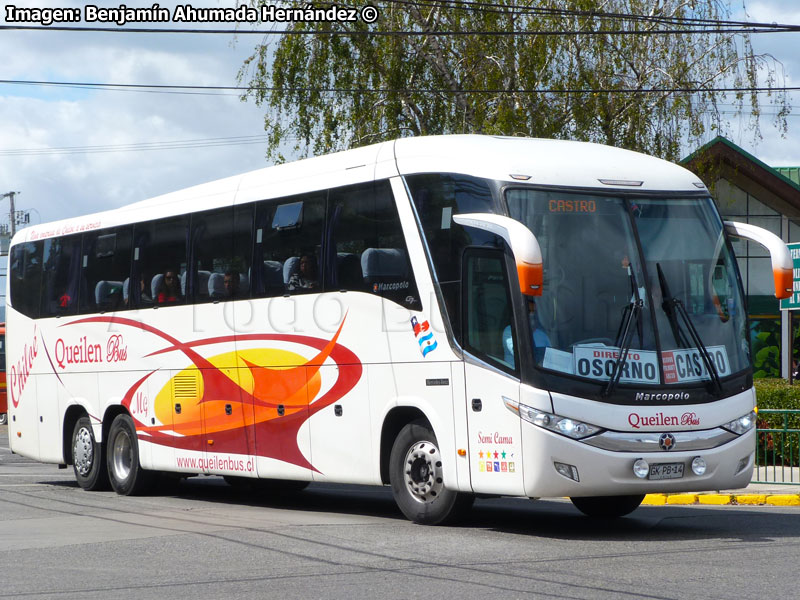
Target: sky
column 38, row 124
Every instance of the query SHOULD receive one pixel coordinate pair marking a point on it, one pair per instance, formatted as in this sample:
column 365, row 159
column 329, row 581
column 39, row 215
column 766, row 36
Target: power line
column 516, row 9
column 137, row 147
column 124, row 88
column 367, row 90
column 401, row 33
column 318, row 13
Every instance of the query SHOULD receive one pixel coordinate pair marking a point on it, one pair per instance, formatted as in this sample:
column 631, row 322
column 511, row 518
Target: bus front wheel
column 607, row 507
column 416, row 473
column 88, row 461
column 126, row 473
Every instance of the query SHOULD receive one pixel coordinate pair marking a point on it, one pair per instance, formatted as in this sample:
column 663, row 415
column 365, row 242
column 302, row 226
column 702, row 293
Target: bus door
column 491, row 374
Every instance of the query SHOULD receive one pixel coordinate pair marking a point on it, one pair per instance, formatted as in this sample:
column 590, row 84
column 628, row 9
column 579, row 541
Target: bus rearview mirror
column 523, row 244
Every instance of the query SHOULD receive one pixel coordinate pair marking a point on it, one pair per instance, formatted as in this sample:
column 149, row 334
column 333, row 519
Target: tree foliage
column 366, row 83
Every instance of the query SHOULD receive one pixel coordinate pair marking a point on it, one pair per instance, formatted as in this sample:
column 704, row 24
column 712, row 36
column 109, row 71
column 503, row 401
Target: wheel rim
column 423, row 472
column 122, row 456
column 83, row 451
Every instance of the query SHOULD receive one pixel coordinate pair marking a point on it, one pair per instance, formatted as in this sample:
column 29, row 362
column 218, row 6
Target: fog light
column 743, row 464
column 568, row 471
column 641, row 469
column 699, row 465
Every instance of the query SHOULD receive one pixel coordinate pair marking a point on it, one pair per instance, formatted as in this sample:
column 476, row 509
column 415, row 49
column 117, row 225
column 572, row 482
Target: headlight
column 742, row 424
column 569, row 427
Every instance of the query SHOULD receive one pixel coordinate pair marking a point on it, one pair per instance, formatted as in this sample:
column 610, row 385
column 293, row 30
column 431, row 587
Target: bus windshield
column 649, row 276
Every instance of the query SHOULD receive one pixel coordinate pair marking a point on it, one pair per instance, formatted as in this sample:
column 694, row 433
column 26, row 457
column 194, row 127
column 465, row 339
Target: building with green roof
column 748, row 190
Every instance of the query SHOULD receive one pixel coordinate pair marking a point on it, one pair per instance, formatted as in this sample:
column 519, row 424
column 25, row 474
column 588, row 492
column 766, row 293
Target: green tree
column 366, row 83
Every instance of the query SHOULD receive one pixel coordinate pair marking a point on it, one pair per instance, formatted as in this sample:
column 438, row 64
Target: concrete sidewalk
column 754, row 494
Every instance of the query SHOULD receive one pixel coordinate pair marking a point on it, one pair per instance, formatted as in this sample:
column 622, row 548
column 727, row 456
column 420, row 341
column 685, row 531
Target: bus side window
column 488, row 327
column 25, row 268
column 106, row 270
column 288, row 231
column 437, row 197
column 61, row 281
column 370, row 249
column 159, row 267
column 220, row 257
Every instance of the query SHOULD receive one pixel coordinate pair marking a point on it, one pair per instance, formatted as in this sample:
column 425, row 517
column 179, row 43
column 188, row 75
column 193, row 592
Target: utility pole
column 12, row 213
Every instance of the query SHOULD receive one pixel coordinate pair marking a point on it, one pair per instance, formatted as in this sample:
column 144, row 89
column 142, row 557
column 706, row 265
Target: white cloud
column 61, row 185
column 773, row 148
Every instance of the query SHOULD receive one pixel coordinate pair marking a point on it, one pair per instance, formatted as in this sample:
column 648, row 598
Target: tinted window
column 61, row 282
column 488, row 327
column 159, row 262
column 368, row 249
column 289, row 248
column 25, row 267
column 221, row 248
column 106, row 270
column 437, row 198
column 287, row 215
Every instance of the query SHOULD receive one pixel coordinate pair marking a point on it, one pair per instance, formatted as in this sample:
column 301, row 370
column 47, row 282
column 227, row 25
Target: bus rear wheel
column 127, row 476
column 3, row 418
column 607, row 507
column 88, row 461
column 416, row 472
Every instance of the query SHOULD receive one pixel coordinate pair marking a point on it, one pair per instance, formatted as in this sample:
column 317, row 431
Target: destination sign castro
column 684, row 365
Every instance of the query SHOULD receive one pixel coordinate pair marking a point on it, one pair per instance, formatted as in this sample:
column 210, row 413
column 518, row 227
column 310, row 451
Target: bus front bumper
column 559, row 466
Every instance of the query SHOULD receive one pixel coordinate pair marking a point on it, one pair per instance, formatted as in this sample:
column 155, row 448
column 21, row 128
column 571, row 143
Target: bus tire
column 607, row 507
column 127, row 476
column 416, row 472
column 88, row 458
column 3, row 418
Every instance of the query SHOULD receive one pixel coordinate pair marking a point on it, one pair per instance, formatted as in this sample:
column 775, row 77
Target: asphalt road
column 203, row 539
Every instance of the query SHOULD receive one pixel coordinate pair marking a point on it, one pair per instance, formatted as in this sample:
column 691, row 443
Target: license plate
column 666, row 471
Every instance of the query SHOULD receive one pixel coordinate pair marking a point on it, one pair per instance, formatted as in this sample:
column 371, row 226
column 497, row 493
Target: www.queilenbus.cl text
column 186, row 13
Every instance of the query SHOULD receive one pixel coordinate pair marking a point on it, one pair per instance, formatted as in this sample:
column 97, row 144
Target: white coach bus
column 452, row 316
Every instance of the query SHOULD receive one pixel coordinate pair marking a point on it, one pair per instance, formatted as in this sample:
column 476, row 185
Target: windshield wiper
column 625, row 339
column 674, row 307
column 625, row 334
column 636, row 298
column 668, row 305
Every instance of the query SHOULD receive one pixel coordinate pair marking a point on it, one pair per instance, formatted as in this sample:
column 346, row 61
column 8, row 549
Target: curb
column 722, row 499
